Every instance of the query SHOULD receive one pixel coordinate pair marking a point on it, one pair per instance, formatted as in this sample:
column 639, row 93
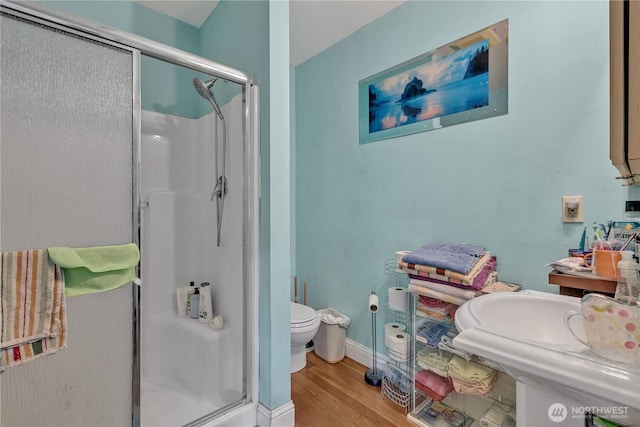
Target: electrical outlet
column 572, row 209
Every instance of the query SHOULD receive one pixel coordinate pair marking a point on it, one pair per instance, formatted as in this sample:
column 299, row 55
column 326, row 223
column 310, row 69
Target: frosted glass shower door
column 66, row 178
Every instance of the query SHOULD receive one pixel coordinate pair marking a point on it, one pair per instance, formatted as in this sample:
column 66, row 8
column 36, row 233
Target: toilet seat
column 302, row 316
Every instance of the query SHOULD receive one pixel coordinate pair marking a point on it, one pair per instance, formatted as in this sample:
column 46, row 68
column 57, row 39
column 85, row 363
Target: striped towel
column 34, row 316
column 443, row 274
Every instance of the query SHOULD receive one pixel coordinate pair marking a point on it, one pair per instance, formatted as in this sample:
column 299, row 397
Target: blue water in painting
column 453, row 98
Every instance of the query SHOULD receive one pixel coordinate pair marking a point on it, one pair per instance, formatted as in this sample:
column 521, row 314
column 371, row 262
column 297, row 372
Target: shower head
column 204, row 89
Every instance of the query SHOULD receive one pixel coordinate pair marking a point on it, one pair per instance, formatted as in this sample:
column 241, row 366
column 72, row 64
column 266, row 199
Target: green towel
column 96, row 269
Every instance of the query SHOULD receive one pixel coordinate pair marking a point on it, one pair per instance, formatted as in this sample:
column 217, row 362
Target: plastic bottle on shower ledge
column 195, row 304
column 192, row 285
column 206, row 312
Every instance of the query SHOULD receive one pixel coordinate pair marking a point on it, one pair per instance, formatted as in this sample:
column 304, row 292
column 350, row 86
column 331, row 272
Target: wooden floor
column 336, row 395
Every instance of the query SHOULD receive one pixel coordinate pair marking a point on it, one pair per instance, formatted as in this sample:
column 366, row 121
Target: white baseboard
column 282, row 416
column 363, row 354
column 242, row 416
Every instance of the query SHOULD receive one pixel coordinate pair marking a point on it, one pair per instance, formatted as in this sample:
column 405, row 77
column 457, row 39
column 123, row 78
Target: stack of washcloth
column 469, row 377
column 434, row 360
column 498, row 415
column 451, row 272
column 431, row 332
column 436, row 309
column 435, row 386
column 34, row 317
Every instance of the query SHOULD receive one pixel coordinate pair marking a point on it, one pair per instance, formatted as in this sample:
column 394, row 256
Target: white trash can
column 330, row 340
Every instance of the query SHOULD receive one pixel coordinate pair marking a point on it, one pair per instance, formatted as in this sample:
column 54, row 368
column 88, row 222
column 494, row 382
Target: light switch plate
column 572, row 209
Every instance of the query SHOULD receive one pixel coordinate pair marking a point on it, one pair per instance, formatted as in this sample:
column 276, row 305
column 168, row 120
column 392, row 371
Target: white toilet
column 304, row 325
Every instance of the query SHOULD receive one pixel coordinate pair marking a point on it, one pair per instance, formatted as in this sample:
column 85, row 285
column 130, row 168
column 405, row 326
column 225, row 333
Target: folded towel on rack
column 454, row 257
column 432, row 359
column 434, row 385
column 453, row 276
column 444, row 288
column 436, row 295
column 498, row 415
column 446, row 344
column 432, row 303
column 476, row 282
column 435, row 315
column 470, row 371
column 431, row 368
column 471, row 378
column 34, row 317
column 431, row 332
column 96, row 269
column 448, row 248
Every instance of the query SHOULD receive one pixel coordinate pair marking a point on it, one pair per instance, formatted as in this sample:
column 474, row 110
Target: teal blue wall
column 236, row 34
column 496, row 182
column 277, row 317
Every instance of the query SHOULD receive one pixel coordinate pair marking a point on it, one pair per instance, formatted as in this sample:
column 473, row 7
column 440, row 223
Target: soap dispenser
column 195, row 304
column 628, row 287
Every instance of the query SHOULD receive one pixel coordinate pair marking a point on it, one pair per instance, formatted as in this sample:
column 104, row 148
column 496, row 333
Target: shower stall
column 186, row 191
column 186, row 366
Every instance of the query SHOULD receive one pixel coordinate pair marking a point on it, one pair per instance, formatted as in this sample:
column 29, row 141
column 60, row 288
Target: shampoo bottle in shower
column 205, row 303
column 195, row 304
column 189, row 293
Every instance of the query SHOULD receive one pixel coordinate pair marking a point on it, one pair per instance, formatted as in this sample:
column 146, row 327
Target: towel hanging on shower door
column 96, row 269
column 34, row 319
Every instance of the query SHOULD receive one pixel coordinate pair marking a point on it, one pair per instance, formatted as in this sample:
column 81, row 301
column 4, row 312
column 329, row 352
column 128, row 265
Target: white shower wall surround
column 188, row 369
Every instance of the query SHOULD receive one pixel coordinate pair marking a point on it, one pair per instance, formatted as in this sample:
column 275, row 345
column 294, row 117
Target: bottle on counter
column 628, row 287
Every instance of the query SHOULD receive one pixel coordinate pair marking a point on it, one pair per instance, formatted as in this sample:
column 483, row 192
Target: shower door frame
column 139, row 46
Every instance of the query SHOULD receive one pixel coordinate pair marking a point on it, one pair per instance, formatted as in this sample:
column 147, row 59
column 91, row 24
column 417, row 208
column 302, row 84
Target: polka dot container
column 612, row 329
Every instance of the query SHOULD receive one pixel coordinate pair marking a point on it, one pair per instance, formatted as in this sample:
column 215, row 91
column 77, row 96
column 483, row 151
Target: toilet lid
column 302, row 313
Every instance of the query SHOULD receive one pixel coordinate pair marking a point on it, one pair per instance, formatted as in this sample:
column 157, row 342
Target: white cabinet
column 624, row 28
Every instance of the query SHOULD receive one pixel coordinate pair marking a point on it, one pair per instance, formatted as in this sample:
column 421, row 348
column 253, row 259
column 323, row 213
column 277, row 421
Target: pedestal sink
column 557, row 378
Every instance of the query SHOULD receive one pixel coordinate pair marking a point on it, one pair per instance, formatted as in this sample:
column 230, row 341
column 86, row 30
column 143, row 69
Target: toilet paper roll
column 398, row 299
column 399, row 255
column 397, row 358
column 392, row 328
column 398, row 343
column 373, row 303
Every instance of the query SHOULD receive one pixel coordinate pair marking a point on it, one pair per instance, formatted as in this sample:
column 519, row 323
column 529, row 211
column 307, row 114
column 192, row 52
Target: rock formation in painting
column 479, row 64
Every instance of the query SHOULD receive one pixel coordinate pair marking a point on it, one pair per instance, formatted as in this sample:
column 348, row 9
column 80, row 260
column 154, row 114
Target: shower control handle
column 221, row 189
